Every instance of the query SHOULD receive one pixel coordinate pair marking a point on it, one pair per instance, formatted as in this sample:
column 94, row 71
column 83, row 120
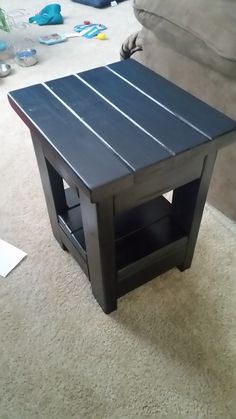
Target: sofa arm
column 131, row 45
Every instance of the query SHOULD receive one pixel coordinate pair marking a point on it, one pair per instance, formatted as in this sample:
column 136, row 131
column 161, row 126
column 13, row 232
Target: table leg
column 188, row 205
column 98, row 227
column 53, row 188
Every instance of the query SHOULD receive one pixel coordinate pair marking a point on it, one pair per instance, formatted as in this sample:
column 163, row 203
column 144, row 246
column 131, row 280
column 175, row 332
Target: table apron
column 159, row 183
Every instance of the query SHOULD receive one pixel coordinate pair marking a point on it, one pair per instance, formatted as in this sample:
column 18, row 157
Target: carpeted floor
column 169, row 350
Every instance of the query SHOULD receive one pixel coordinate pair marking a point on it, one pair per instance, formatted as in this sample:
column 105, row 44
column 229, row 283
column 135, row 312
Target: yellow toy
column 101, row 36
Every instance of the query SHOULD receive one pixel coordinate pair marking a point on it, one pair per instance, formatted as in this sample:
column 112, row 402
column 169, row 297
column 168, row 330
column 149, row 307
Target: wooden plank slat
column 132, row 277
column 71, row 219
column 76, row 251
column 136, row 147
column 146, row 241
column 153, row 258
column 177, row 100
column 140, row 217
column 78, row 235
column 80, row 148
column 169, row 130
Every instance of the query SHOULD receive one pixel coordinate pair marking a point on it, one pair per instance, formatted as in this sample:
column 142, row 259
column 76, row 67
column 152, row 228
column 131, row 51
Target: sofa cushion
column 204, row 30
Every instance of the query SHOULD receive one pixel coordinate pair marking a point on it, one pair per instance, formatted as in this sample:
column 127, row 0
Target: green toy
column 3, row 22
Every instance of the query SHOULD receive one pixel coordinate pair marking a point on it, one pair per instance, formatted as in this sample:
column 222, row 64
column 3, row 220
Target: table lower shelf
column 146, row 239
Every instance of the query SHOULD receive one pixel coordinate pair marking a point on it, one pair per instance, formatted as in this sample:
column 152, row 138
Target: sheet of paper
column 10, row 256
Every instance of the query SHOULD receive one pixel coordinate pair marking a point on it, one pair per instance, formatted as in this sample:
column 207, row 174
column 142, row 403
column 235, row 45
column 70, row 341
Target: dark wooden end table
column 121, row 136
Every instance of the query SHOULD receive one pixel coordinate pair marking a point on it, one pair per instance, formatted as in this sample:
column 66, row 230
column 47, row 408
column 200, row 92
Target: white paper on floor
column 10, row 256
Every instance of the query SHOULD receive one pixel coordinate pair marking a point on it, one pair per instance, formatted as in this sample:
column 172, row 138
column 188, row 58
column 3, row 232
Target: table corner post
column 98, row 223
column 53, row 187
column 188, row 206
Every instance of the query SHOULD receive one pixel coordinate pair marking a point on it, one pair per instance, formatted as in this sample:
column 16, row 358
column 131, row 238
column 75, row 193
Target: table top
column 113, row 122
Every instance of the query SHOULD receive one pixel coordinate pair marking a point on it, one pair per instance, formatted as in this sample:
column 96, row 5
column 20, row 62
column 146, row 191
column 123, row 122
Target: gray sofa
column 193, row 44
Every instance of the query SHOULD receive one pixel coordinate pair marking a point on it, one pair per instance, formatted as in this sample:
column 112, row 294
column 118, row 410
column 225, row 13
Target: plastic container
column 26, row 57
column 6, row 51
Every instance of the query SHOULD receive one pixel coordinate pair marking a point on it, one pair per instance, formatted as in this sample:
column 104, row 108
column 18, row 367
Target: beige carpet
column 169, row 350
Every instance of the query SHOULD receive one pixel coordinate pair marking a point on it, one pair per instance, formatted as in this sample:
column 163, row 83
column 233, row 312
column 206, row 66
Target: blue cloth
column 49, row 15
column 3, row 45
column 96, row 3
